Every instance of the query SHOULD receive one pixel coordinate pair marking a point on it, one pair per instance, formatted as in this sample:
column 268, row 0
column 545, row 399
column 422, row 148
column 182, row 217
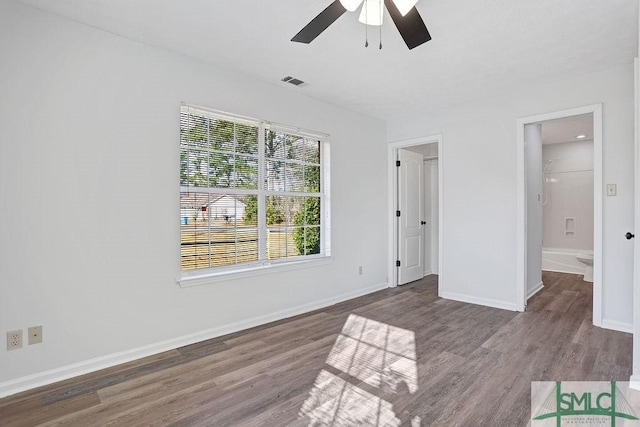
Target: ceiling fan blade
column 411, row 26
column 320, row 23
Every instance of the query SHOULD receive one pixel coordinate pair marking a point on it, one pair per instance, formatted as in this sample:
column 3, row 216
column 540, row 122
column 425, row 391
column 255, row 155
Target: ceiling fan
column 403, row 13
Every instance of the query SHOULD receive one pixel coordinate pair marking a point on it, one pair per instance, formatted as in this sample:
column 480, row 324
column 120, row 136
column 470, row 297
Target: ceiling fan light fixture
column 351, row 5
column 371, row 13
column 404, row 6
column 410, row 26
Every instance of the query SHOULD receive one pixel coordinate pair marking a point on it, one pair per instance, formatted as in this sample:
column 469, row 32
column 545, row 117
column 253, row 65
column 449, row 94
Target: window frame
column 263, row 265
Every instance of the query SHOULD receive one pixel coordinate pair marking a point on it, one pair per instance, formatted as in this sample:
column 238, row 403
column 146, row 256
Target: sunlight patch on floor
column 379, row 355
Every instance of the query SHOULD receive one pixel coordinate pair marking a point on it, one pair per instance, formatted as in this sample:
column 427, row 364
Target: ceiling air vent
column 293, row 81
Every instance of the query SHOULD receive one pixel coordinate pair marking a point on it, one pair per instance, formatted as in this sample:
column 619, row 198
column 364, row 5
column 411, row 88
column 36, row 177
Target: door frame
column 598, row 189
column 635, row 373
column 392, row 224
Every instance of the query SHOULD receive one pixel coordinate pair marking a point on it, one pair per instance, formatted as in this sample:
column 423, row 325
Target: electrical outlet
column 35, row 335
column 14, row 339
column 360, row 270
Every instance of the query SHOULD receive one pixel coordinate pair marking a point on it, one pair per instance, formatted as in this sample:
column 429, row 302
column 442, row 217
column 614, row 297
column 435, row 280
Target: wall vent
column 293, row 81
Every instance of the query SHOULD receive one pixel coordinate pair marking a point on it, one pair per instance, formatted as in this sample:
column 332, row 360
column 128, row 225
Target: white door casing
column 635, row 377
column 392, row 204
column 521, row 244
column 431, row 215
column 435, row 218
column 411, row 207
column 426, row 230
column 533, row 147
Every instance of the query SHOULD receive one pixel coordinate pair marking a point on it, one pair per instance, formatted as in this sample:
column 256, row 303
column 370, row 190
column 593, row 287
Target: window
column 252, row 193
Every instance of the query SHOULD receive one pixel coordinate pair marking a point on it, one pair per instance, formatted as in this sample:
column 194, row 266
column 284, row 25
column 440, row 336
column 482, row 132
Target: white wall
column 569, row 194
column 479, row 176
column 533, row 156
column 90, row 126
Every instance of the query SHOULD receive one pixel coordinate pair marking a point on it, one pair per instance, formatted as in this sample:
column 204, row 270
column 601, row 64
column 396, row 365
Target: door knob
column 423, row 222
column 629, row 236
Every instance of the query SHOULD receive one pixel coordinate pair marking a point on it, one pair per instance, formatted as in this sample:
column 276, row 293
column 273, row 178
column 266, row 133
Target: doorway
column 531, row 197
column 415, row 199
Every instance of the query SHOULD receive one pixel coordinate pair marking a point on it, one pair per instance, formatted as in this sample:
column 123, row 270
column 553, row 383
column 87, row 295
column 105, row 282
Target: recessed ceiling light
column 581, row 136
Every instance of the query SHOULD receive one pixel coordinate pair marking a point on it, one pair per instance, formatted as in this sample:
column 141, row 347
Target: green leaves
column 220, row 190
column 218, row 153
column 307, row 231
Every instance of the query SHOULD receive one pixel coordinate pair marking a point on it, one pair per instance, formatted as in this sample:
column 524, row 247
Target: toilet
column 586, row 258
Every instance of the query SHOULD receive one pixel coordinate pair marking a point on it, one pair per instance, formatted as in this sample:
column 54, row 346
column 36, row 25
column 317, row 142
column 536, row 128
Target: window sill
column 253, row 271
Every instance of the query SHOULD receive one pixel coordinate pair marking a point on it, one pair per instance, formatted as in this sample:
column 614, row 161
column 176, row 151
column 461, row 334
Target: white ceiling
column 565, row 130
column 478, row 46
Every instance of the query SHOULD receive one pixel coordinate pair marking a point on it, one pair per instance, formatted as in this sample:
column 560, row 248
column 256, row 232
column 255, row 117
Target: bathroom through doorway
column 560, row 194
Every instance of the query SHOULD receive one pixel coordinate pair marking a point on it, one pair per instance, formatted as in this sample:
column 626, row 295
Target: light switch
column 611, row 189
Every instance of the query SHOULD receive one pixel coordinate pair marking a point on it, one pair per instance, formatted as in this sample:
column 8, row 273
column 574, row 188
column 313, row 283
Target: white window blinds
column 250, row 192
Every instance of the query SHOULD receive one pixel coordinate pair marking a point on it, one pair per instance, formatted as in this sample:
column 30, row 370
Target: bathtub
column 562, row 260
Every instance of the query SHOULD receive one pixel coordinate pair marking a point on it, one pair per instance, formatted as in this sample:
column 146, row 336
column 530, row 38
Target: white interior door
column 410, row 221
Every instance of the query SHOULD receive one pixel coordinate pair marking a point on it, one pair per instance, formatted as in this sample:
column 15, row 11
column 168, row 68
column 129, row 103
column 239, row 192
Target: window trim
column 198, row 277
column 275, row 266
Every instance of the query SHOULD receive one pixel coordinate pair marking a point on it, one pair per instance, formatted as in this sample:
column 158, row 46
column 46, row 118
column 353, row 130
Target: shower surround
column 568, row 200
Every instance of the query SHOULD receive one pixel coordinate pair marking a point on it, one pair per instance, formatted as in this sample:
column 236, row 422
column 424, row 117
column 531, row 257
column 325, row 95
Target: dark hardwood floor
column 396, row 357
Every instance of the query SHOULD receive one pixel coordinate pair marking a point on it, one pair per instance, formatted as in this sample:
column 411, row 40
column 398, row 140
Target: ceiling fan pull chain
column 381, row 12
column 366, row 27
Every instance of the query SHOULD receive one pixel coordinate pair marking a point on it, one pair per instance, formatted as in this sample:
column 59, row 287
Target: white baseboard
column 617, row 326
column 28, row 382
column 565, row 270
column 535, row 290
column 634, row 382
column 479, row 301
column 427, row 273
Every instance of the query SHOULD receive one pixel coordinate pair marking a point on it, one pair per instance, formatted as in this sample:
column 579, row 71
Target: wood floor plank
column 189, row 372
column 477, row 402
column 434, row 398
column 282, row 331
column 19, row 406
column 65, row 389
column 285, row 413
column 56, row 410
column 115, row 377
column 417, row 356
column 304, row 357
column 563, row 301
